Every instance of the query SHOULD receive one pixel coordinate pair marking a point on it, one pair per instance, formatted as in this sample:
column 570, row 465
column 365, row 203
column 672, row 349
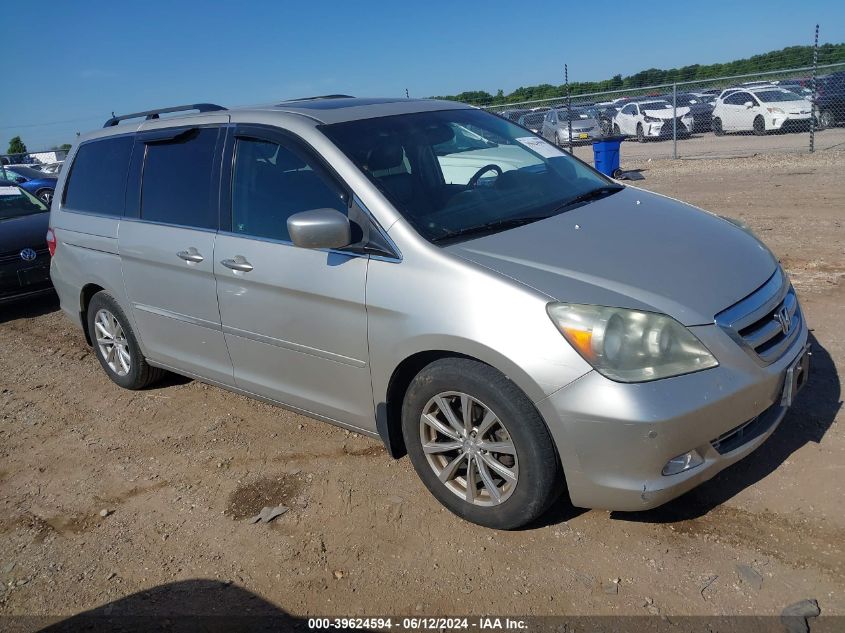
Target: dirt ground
column 178, row 467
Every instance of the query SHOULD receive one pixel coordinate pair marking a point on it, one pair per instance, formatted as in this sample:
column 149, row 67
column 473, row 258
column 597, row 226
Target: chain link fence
column 775, row 111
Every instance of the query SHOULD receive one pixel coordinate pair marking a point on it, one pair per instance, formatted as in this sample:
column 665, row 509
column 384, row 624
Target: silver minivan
column 436, row 276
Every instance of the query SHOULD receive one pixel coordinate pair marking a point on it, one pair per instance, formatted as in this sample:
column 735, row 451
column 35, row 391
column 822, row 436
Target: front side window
column 451, row 188
column 271, row 182
column 177, row 185
column 97, row 179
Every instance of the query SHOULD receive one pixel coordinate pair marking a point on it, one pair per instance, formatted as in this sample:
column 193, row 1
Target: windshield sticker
column 9, row 191
column 544, row 149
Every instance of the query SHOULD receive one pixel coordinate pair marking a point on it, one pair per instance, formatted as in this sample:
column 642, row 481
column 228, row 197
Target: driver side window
column 270, row 183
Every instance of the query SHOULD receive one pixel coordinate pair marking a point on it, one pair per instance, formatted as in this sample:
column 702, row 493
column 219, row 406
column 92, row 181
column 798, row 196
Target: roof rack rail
column 319, row 97
column 154, row 114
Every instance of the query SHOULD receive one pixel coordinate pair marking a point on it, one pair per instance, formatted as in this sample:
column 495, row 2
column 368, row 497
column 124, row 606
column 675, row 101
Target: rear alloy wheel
column 826, row 119
column 116, row 346
column 640, row 133
column 479, row 445
column 759, row 126
column 717, row 127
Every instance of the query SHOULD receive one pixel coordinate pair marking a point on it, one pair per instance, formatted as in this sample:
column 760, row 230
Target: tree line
column 789, row 57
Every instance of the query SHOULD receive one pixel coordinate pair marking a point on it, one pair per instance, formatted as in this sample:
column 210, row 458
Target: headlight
column 775, row 110
column 630, row 345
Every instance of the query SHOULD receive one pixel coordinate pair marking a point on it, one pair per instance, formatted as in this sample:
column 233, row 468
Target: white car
column 760, row 110
column 652, row 119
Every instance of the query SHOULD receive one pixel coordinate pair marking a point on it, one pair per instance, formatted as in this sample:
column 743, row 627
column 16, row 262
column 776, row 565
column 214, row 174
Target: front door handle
column 238, row 264
column 191, row 256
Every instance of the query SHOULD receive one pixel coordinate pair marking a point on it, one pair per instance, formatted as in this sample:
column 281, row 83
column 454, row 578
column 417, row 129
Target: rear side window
column 97, row 179
column 178, row 184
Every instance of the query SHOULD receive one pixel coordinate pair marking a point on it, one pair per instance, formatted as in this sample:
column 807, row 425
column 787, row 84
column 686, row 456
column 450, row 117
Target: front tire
column 826, row 119
column 759, row 126
column 718, row 130
column 115, row 345
column 479, row 445
column 616, row 130
column 45, row 195
column 640, row 133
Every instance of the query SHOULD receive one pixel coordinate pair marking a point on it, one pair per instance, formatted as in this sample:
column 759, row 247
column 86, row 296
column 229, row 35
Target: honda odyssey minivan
column 436, row 276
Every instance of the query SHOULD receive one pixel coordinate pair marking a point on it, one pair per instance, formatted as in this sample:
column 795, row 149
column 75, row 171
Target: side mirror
column 20, row 179
column 320, row 228
column 748, row 104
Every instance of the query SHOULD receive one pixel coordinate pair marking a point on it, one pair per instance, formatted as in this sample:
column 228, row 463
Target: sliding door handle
column 191, row 256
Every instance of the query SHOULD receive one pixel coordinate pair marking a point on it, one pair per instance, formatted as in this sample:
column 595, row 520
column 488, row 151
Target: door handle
column 191, row 256
column 238, row 264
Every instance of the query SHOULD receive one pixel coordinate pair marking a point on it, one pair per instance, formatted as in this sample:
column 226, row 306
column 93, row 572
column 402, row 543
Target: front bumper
column 20, row 279
column 614, row 438
column 786, row 121
column 663, row 129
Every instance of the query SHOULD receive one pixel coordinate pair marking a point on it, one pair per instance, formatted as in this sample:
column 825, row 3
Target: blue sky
column 75, row 62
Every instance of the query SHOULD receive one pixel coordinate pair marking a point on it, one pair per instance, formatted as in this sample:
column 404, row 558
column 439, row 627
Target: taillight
column 51, row 242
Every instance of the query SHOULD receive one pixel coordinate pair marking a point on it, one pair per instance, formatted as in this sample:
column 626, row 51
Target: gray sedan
column 585, row 126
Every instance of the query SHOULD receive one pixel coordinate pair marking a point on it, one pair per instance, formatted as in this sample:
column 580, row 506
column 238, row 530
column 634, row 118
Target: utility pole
column 813, row 93
column 568, row 104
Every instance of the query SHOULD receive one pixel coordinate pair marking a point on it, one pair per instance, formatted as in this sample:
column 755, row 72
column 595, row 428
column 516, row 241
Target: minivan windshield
column 15, row 202
column 456, row 174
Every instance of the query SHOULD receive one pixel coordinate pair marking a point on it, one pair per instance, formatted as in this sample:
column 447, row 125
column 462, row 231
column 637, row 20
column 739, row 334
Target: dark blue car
column 36, row 182
column 24, row 253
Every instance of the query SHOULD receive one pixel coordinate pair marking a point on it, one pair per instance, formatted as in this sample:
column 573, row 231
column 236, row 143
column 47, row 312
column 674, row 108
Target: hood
column 633, row 249
column 579, row 124
column 667, row 114
column 790, row 107
column 28, row 231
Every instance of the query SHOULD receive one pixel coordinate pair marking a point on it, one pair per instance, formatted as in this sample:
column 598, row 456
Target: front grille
column 767, row 321
column 746, row 432
column 13, row 256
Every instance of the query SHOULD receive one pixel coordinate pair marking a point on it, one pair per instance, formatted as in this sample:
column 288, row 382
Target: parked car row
column 40, row 184
column 758, row 107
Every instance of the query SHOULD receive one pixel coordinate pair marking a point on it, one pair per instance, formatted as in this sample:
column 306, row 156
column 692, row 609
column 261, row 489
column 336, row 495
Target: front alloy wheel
column 469, row 448
column 478, row 444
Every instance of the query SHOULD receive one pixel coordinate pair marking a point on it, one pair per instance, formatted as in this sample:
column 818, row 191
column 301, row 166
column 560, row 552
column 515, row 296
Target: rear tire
column 502, row 489
column 759, row 126
column 45, row 195
column 115, row 345
column 717, row 127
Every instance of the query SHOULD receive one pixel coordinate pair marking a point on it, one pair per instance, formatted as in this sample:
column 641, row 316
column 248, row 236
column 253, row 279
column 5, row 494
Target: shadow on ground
column 812, row 414
column 29, row 308
column 189, row 605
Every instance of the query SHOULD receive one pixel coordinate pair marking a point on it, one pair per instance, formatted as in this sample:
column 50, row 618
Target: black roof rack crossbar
column 319, row 97
column 154, row 114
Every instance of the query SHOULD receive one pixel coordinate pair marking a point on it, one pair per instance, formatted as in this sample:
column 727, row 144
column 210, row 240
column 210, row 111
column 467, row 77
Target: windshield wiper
column 595, row 194
column 488, row 227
